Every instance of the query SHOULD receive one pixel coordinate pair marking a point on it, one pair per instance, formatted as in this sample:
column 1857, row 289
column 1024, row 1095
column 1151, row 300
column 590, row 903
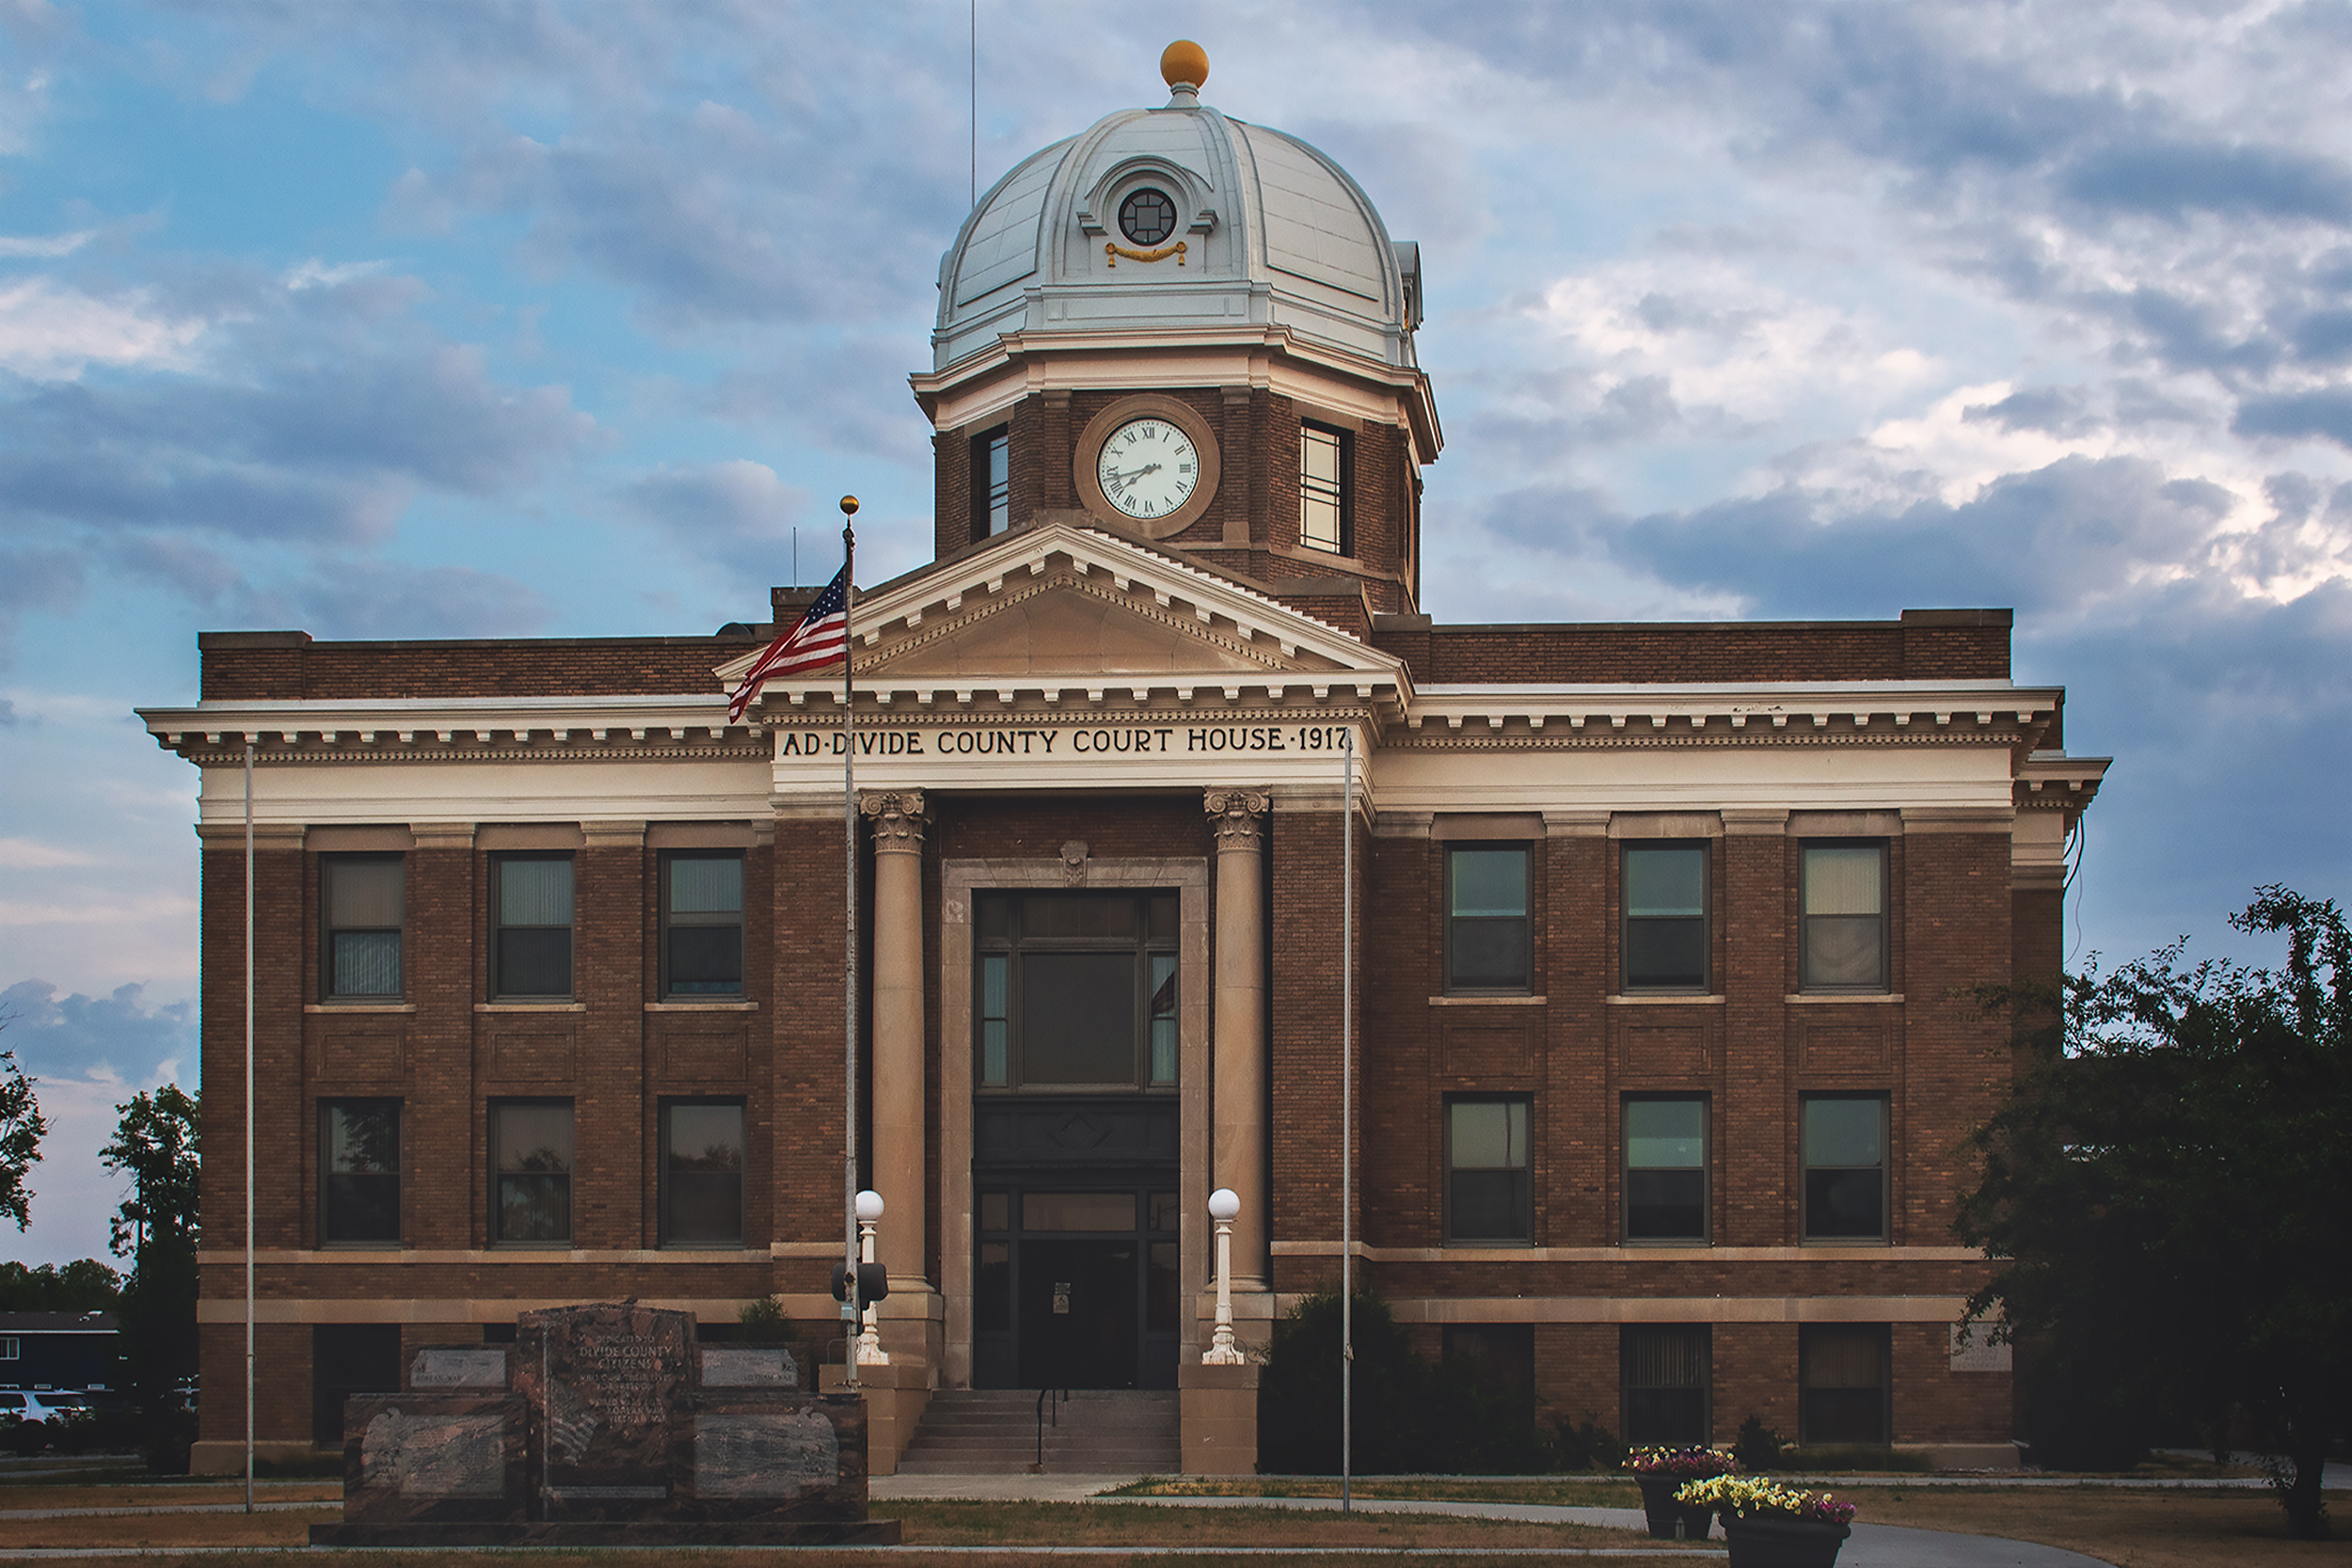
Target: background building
column 1665, row 934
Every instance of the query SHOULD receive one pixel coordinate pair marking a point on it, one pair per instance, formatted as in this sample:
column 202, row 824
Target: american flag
column 820, row 637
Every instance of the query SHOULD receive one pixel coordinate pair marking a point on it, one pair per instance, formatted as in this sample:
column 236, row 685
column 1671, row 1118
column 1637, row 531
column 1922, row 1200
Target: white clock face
column 1149, row 468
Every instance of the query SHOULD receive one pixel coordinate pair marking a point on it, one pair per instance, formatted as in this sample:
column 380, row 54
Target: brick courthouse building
column 1660, row 936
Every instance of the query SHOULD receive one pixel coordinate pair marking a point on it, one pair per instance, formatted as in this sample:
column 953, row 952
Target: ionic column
column 897, row 981
column 1239, row 1160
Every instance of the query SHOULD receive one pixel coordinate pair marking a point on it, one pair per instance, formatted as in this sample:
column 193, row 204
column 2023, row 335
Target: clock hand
column 1139, row 474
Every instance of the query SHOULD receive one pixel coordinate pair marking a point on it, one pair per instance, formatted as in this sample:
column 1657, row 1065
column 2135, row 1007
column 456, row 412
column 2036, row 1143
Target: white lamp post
column 869, row 1351
column 1224, row 1207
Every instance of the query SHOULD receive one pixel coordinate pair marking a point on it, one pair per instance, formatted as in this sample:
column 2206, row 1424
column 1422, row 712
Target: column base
column 1218, row 1417
column 895, row 1397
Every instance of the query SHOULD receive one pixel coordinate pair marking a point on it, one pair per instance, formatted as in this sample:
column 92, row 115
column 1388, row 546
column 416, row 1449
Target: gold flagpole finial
column 849, row 506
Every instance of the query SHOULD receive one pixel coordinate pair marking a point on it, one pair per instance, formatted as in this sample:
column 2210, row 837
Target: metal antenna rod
column 976, row 103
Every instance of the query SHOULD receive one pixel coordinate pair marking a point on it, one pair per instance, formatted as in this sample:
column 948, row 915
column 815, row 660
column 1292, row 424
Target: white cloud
column 23, row 852
column 45, row 245
column 49, row 333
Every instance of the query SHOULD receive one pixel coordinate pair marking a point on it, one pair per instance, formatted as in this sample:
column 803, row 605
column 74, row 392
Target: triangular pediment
column 1068, row 606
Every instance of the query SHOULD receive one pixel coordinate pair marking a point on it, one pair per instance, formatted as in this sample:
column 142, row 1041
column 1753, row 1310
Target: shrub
column 1406, row 1417
column 1758, row 1447
column 763, row 1321
column 1586, row 1445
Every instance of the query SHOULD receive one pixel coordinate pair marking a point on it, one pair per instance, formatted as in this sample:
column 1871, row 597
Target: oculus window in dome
column 1147, row 216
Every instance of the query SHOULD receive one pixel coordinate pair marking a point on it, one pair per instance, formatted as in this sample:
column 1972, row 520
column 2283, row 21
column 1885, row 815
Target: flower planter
column 1668, row 1519
column 1780, row 1540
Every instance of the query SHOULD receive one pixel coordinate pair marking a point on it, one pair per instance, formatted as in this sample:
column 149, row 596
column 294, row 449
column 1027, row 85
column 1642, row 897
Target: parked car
column 17, row 1405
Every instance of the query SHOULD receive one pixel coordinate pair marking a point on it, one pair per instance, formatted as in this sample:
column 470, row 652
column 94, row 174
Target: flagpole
column 248, row 1123
column 1347, row 1126
column 849, row 992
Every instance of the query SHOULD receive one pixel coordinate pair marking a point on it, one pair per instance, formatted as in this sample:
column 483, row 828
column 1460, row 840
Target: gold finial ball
column 1183, row 62
column 849, row 506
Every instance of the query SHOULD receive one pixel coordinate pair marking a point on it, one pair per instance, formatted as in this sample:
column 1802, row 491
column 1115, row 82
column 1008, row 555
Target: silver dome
column 1275, row 234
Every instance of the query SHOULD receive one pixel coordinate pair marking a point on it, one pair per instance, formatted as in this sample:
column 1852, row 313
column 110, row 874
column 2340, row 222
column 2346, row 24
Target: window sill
column 563, row 1247
column 1667, row 1243
column 1474, row 1000
column 702, row 1247
column 359, row 1007
column 1662, row 999
column 681, row 1006
column 1863, row 1242
column 530, row 1006
column 363, row 1246
column 1493, row 1243
column 1808, row 997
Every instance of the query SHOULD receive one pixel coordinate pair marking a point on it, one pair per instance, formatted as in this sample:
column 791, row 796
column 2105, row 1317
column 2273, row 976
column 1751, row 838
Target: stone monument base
column 615, row 1532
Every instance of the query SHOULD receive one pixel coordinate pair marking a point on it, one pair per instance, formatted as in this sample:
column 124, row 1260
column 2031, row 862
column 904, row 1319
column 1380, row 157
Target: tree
column 2165, row 1199
column 20, row 1130
column 155, row 1144
column 85, row 1285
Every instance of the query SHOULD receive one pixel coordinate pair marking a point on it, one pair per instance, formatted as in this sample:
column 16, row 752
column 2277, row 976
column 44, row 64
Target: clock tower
column 1195, row 331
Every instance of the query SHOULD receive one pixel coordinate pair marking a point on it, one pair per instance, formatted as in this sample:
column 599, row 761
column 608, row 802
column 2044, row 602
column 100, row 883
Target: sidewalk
column 1872, row 1545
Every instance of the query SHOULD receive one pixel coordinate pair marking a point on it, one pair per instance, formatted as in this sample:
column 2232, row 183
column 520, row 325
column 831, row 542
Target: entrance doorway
column 1075, row 1123
column 1076, row 1288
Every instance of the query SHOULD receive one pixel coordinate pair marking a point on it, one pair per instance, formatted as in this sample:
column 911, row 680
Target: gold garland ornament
column 1112, row 251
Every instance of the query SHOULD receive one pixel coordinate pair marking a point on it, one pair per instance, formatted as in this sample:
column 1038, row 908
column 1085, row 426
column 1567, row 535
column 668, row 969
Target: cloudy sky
column 487, row 319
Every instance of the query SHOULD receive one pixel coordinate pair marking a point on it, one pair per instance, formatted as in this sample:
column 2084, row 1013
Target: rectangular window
column 358, row 1171
column 363, row 899
column 530, row 925
column 1486, row 945
column 1665, row 917
column 1845, row 917
column 1666, row 1371
column 1666, row 1170
column 1844, row 1139
column 531, row 1140
column 1163, row 1017
column 991, row 482
column 1322, row 489
column 702, row 925
column 1076, row 992
column 1487, row 1190
column 1842, row 1384
column 7, row 1348
column 702, row 1173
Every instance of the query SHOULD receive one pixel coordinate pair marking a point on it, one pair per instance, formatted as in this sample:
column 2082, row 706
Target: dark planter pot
column 1776, row 1541
column 1668, row 1519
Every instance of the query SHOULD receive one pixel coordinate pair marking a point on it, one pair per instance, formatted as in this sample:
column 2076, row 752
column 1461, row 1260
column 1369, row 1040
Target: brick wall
column 1970, row 644
column 286, row 666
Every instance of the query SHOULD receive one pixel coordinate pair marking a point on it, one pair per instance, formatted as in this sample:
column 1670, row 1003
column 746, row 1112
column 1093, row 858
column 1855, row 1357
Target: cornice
column 1038, row 354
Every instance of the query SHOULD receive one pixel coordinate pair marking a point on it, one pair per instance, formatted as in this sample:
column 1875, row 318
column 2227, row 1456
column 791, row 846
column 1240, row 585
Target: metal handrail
column 1043, row 1395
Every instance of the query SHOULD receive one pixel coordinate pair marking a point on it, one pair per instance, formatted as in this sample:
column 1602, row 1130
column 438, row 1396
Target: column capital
column 899, row 816
column 1234, row 816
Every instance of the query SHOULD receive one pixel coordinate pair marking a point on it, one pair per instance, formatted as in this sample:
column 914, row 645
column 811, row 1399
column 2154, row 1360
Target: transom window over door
column 1077, row 991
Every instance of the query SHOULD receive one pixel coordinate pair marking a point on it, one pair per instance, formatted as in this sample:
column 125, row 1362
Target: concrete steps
column 993, row 1431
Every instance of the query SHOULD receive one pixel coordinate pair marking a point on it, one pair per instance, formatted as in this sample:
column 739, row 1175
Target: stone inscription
column 458, row 1369
column 433, row 1455
column 1066, row 742
column 777, row 1367
column 779, row 1455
